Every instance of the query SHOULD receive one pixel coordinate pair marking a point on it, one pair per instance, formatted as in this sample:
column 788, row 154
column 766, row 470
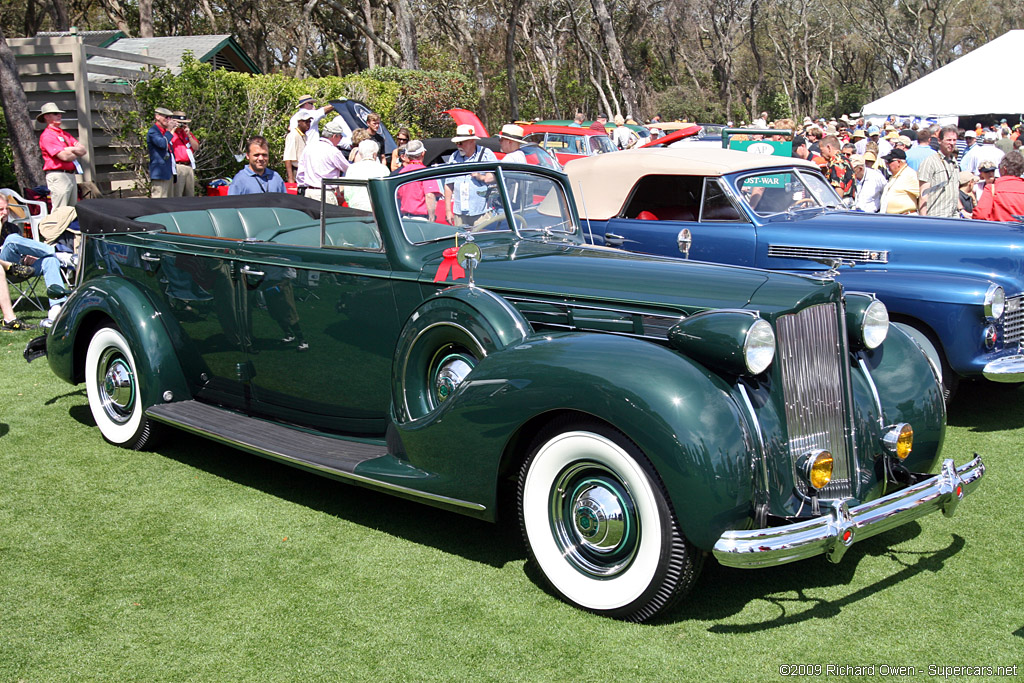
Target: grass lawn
column 197, row 562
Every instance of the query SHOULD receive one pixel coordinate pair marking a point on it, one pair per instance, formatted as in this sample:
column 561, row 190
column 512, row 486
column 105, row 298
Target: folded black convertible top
column 106, row 216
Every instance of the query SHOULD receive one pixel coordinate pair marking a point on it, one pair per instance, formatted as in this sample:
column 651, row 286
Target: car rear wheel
column 112, row 385
column 598, row 524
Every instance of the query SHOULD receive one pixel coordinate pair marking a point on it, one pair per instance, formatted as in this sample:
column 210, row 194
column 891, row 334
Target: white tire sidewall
column 114, row 432
column 591, row 593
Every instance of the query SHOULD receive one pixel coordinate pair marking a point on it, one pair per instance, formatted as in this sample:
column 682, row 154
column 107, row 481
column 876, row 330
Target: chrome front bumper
column 1005, row 369
column 833, row 533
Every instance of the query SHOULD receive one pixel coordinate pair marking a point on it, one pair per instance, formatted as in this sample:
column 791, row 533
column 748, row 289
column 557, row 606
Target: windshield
column 785, row 190
column 436, row 208
column 600, row 144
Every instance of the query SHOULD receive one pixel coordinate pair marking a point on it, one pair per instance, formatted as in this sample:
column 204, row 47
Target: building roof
column 97, row 38
column 222, row 51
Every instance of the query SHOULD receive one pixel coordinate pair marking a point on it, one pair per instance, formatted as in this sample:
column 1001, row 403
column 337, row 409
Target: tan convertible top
column 602, row 183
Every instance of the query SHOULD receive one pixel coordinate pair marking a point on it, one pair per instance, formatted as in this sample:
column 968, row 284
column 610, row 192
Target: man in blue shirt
column 466, row 195
column 161, row 157
column 256, row 178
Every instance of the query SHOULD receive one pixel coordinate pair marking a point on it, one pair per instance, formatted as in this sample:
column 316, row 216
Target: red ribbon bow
column 449, row 264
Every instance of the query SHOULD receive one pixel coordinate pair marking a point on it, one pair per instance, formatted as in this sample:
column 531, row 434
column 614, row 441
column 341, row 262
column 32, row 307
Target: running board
column 332, row 456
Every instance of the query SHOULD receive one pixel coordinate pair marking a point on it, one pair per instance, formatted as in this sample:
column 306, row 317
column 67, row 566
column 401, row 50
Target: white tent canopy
column 977, row 83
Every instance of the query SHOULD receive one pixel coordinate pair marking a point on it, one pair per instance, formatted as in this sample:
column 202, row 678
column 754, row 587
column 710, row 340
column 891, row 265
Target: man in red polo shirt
column 185, row 146
column 61, row 152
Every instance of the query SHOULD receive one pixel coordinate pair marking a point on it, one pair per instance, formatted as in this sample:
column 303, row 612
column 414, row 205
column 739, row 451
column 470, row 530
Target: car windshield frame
column 817, row 193
column 506, row 195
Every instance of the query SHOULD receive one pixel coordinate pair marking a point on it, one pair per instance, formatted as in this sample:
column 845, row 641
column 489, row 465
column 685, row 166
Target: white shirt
column 357, row 197
column 320, row 160
column 979, row 153
column 516, row 157
column 869, row 190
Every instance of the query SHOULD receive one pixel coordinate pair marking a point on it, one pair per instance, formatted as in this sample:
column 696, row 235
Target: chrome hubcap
column 451, row 372
column 594, row 520
column 116, row 386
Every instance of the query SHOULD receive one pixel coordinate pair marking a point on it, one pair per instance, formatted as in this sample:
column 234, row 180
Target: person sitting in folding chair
column 39, row 256
column 11, row 322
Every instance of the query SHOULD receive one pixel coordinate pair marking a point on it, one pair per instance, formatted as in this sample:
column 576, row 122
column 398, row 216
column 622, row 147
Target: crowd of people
column 904, row 168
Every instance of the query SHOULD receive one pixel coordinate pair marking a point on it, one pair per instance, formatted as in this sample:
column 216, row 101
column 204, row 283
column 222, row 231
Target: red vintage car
column 567, row 142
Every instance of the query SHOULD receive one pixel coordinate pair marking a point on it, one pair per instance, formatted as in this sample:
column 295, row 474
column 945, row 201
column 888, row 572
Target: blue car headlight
column 995, row 302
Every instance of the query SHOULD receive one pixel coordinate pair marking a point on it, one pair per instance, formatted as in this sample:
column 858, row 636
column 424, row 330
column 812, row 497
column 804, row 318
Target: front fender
column 114, row 299
column 951, row 306
column 681, row 415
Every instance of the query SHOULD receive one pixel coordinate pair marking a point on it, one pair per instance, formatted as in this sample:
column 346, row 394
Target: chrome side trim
column 814, row 253
column 831, row 534
column 762, row 452
column 655, row 325
column 874, row 390
column 341, row 474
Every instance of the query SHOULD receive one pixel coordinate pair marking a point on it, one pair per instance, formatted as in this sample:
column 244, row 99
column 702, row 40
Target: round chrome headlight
column 759, row 347
column 995, row 302
column 875, row 324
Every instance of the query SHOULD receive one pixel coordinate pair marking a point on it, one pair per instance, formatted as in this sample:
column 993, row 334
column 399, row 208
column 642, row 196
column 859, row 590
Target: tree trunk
column 145, row 18
column 60, row 16
column 117, row 13
column 611, row 43
column 510, row 58
column 755, row 91
column 406, row 27
column 371, row 53
column 28, row 162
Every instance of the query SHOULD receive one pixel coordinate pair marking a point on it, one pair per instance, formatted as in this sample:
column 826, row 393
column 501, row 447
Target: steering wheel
column 805, row 202
column 499, row 218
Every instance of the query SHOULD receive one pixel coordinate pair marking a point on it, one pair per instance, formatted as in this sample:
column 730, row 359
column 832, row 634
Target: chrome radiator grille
column 1013, row 322
column 810, row 361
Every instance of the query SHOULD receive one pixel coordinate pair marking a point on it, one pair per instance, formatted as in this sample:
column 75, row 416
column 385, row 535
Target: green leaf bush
column 227, row 108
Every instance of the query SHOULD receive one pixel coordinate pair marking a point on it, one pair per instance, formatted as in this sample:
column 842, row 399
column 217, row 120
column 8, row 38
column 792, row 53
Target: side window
column 666, row 198
column 717, row 205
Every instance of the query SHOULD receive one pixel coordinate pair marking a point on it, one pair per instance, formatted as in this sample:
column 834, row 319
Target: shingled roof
column 222, row 51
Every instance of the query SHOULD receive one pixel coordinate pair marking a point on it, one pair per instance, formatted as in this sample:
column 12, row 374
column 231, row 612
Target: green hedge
column 227, row 107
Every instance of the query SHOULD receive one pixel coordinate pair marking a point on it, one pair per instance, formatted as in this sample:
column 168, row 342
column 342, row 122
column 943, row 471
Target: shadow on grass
column 1019, row 632
column 983, row 406
column 472, row 539
column 70, row 394
column 724, row 591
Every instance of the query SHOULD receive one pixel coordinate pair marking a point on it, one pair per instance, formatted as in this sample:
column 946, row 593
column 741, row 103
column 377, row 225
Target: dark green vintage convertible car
column 634, row 412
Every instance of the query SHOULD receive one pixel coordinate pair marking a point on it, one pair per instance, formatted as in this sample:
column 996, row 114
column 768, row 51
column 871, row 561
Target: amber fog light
column 816, row 468
column 899, row 440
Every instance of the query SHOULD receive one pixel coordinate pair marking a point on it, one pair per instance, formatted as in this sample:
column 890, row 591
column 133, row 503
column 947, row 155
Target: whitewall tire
column 598, row 524
column 112, row 385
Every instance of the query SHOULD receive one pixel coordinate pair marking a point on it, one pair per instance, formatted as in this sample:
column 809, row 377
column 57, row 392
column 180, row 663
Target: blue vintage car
column 955, row 286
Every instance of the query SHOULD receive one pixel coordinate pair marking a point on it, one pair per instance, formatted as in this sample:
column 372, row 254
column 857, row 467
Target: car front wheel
column 112, row 385
column 598, row 524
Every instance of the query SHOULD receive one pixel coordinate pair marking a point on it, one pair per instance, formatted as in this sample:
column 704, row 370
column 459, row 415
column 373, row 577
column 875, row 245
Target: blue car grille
column 1013, row 322
column 814, row 380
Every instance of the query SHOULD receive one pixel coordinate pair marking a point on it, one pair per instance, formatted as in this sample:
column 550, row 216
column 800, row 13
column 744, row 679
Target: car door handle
column 246, row 270
column 150, row 258
column 614, row 240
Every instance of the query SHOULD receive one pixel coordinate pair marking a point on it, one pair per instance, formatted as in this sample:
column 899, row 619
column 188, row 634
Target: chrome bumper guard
column 1005, row 369
column 833, row 533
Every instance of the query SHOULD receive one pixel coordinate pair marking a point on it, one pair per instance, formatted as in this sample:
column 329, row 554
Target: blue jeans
column 16, row 246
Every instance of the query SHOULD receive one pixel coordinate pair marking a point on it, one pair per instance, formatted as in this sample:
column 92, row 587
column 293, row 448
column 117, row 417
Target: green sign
column 773, row 180
column 779, row 148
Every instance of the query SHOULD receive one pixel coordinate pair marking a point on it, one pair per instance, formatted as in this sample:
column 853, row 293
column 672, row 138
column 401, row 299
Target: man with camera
column 185, row 145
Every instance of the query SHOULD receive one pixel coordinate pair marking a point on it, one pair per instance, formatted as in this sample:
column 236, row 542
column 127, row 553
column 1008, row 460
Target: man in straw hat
column 308, row 104
column 61, row 152
column 466, row 195
column 184, row 144
column 511, row 139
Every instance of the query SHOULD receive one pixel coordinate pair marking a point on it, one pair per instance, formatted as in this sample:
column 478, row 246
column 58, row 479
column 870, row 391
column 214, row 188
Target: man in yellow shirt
column 903, row 190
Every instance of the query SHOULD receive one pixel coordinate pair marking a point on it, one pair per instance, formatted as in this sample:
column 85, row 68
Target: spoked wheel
column 112, row 385
column 598, row 524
